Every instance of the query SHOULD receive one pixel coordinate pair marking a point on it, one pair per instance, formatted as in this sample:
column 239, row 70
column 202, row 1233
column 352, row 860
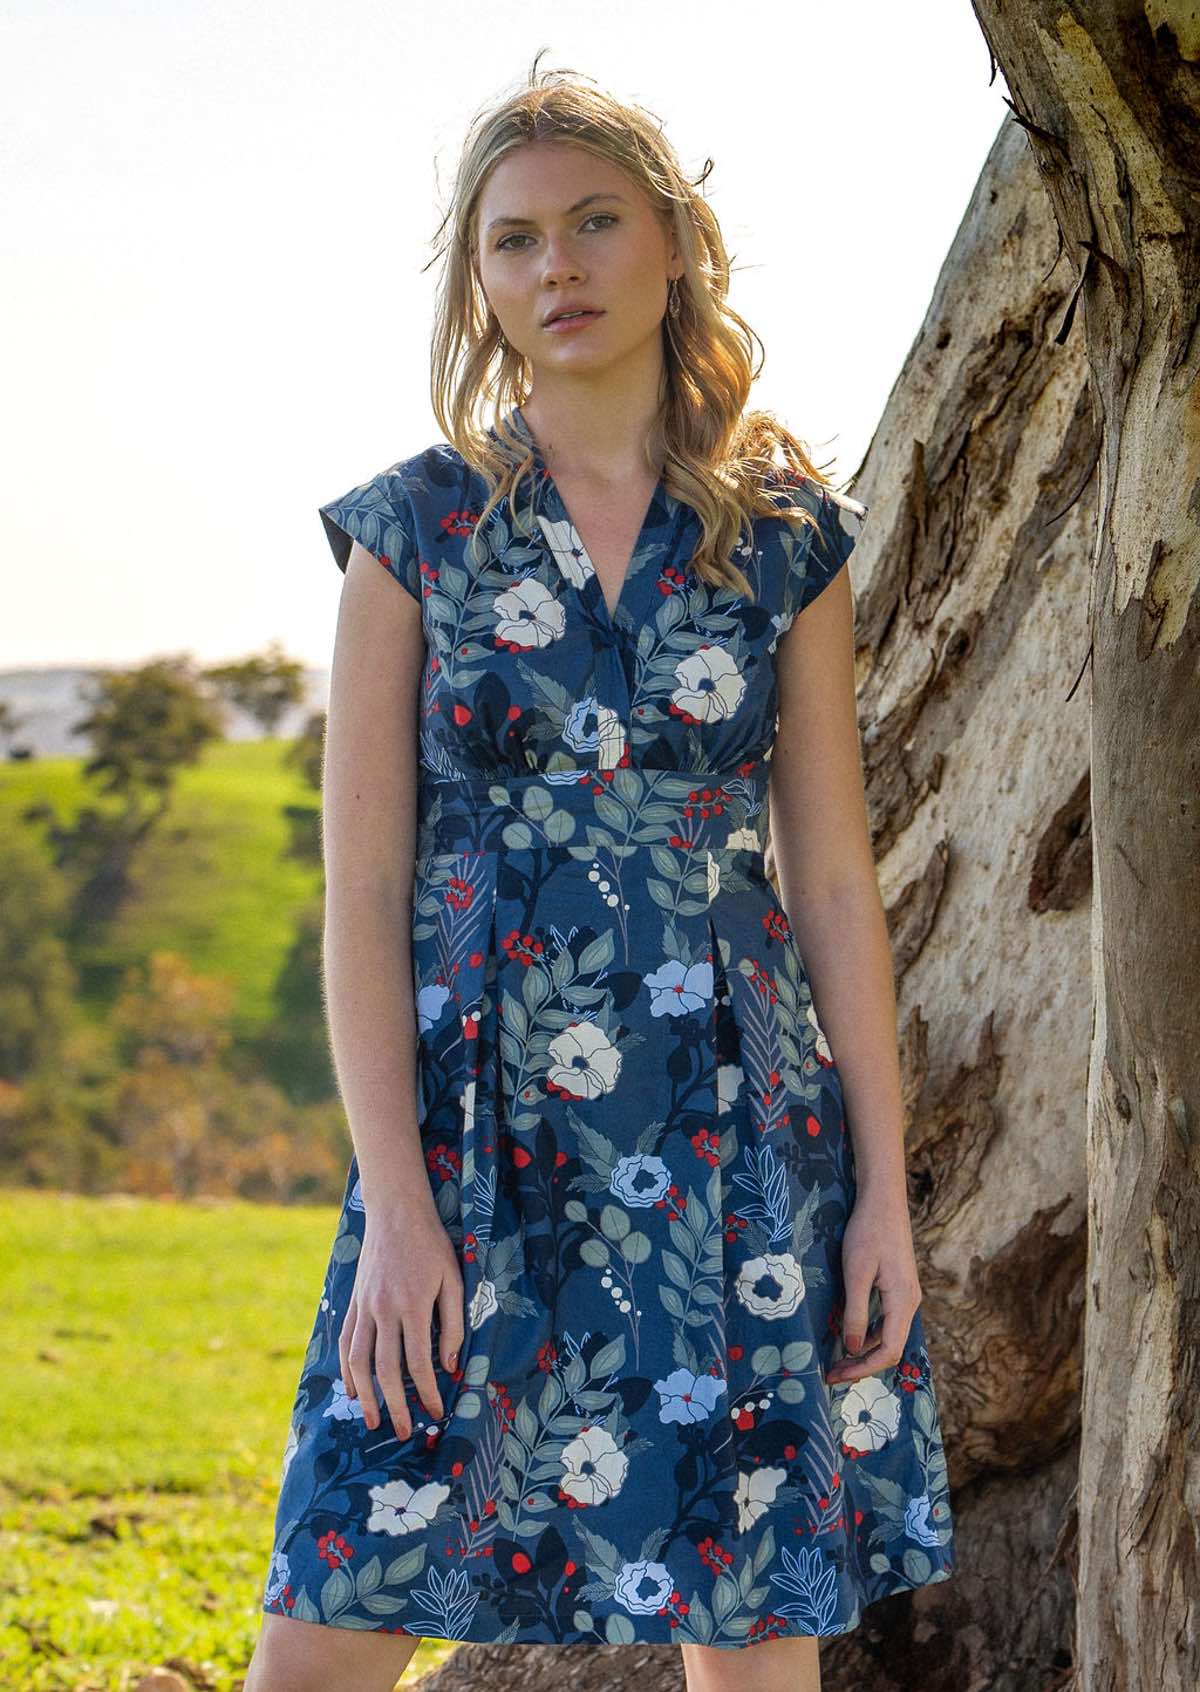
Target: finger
column 389, row 1366
column 360, row 1362
column 451, row 1320
column 856, row 1314
column 420, row 1364
column 344, row 1339
column 893, row 1335
column 841, row 1374
column 867, row 1360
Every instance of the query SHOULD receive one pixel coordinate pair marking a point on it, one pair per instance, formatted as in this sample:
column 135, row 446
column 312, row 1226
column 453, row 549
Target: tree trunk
column 1110, row 95
column 971, row 585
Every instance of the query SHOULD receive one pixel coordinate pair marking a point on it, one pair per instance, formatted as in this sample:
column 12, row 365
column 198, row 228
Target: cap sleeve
column 379, row 515
column 812, row 566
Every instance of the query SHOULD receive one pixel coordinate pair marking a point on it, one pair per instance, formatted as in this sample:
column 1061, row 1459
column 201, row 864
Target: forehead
column 548, row 178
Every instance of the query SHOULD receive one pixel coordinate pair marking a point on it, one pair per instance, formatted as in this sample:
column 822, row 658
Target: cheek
column 640, row 277
column 495, row 282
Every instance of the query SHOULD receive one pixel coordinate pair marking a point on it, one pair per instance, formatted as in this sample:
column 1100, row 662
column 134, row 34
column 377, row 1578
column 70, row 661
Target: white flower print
column 612, row 738
column 822, row 1042
column 289, row 1451
column 771, row 1286
column 710, row 685
column 341, row 1405
column 755, row 1494
column 643, row 1588
column 483, row 1305
column 871, row 1412
column 399, row 1508
column 468, row 1104
column 593, row 727
column 743, row 840
column 277, row 1577
column 570, row 554
column 584, row 1063
column 677, row 989
column 714, row 877
column 594, row 1467
column 729, row 1079
column 528, row 615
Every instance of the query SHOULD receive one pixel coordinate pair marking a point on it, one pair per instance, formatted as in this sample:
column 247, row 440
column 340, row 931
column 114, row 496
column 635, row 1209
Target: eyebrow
column 587, row 200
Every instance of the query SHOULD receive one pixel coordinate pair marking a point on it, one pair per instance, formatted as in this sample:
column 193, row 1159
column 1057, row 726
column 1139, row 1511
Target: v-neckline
column 570, row 550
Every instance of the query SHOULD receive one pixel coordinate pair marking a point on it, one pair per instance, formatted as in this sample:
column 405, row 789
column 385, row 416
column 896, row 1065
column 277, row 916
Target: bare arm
column 830, row 891
column 408, row 1263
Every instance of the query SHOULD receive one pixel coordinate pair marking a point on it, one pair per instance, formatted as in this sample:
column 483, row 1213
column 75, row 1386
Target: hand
column 407, row 1266
column 877, row 1249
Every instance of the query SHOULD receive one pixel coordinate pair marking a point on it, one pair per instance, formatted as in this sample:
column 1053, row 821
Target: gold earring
column 673, row 300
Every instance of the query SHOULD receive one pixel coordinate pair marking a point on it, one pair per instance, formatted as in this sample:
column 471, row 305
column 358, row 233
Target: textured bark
column 971, row 581
column 1110, row 96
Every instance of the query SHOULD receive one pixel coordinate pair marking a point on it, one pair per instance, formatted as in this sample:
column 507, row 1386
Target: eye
column 503, row 245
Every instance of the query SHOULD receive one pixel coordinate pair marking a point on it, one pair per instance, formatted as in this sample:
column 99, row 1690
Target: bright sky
column 213, row 223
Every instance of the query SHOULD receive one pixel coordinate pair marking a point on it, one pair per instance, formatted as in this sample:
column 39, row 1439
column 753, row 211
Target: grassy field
column 215, row 881
column 152, row 1351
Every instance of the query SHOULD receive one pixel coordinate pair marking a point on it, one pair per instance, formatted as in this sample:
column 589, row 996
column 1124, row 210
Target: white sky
column 213, row 223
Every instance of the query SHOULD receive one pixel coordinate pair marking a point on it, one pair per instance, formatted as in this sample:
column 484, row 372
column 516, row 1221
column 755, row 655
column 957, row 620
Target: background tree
column 265, row 685
column 1109, row 95
column 193, row 1124
column 145, row 724
column 10, row 722
column 37, row 981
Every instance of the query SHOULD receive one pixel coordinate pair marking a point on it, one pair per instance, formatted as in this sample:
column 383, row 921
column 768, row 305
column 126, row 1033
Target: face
column 561, row 228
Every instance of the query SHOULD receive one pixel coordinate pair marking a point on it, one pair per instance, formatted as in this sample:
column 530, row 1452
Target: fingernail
column 452, row 1361
column 853, row 1342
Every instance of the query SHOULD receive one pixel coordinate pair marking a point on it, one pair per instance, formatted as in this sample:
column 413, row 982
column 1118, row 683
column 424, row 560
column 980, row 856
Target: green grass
column 214, row 881
column 152, row 1353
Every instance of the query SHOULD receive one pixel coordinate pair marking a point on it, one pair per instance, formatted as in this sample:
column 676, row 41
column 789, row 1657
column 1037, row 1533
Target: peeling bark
column 1110, row 98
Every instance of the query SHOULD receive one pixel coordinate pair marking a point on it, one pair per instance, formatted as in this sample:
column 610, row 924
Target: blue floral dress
column 632, row 1124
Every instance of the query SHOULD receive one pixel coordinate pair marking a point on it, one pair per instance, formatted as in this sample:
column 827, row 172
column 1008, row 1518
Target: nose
column 562, row 264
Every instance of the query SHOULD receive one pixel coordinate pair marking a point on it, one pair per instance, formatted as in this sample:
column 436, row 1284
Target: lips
column 570, row 311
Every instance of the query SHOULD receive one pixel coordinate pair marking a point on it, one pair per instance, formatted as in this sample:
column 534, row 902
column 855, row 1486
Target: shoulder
column 836, row 516
column 785, row 486
column 803, row 556
column 432, row 474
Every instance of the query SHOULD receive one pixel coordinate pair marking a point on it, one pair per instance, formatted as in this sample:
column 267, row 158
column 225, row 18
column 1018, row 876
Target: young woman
column 619, row 1340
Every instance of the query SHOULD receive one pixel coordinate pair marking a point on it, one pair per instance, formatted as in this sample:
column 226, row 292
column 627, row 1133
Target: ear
column 674, row 257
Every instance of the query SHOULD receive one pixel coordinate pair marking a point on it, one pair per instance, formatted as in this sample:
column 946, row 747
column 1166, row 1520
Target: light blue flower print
column 687, row 1397
column 341, row 1405
column 640, row 1180
column 676, row 990
column 643, row 1588
column 782, row 622
column 430, row 1001
column 916, row 1520
column 581, row 729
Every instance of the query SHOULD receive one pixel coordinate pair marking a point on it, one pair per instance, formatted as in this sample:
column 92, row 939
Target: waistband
column 627, row 806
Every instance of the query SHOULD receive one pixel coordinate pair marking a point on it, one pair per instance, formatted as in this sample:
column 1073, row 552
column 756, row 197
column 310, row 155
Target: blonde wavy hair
column 716, row 456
